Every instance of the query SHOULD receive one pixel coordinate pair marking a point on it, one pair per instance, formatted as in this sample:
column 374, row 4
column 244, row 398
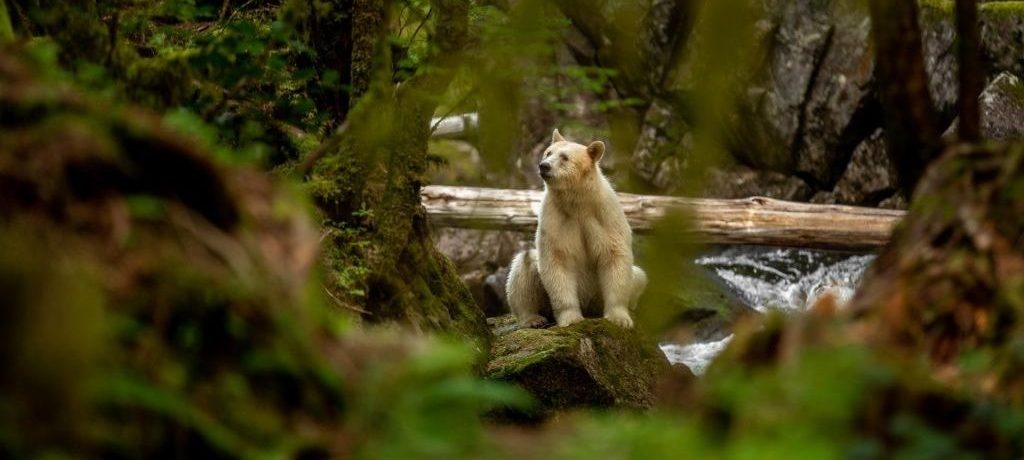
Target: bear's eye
column 563, row 157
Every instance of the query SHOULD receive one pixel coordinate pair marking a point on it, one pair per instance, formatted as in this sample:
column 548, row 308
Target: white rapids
column 788, row 280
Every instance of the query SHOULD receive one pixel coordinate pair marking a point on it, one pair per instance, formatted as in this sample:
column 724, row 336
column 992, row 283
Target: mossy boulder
column 1002, row 109
column 593, row 363
column 703, row 309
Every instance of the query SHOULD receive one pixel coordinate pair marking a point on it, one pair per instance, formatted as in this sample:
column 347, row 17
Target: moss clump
column 589, row 364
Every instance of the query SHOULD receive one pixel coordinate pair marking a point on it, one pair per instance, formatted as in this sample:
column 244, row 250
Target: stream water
column 788, row 280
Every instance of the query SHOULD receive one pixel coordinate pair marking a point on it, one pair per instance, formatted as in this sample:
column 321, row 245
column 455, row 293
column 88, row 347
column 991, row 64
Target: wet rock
column 742, row 182
column 706, row 309
column 803, row 30
column 593, row 363
column 1002, row 109
column 869, row 176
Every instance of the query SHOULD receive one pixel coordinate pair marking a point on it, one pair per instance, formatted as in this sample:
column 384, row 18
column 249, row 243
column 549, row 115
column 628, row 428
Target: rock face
column 1002, row 108
column 839, row 101
column 803, row 31
column 593, row 363
column 811, row 116
column 742, row 182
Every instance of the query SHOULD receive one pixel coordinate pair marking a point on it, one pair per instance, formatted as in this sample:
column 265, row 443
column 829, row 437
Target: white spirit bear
column 583, row 261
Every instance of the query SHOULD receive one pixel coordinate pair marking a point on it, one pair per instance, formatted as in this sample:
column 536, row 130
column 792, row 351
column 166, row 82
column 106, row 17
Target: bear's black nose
column 545, row 168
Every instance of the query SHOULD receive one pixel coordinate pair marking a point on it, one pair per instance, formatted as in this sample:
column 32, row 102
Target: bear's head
column 567, row 163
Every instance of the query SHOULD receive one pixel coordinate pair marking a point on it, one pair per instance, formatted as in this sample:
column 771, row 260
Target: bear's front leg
column 561, row 286
column 617, row 288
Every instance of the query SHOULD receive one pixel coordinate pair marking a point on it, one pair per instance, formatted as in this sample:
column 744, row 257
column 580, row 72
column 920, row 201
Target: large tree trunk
column 376, row 177
column 331, row 34
column 952, row 280
column 911, row 124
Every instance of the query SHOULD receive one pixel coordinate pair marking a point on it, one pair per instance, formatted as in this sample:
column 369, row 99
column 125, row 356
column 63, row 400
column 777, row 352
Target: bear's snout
column 545, row 170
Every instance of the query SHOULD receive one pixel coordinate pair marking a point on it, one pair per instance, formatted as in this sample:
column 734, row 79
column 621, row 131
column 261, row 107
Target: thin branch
column 223, row 10
column 343, row 304
column 417, row 31
column 970, row 69
column 451, row 110
column 240, row 8
column 328, row 145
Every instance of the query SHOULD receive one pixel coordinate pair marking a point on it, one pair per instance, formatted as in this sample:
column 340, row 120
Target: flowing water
column 787, row 280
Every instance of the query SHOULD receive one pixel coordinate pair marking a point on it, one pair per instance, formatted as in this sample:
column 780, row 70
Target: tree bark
column 911, row 123
column 756, row 221
column 950, row 282
column 377, row 173
column 330, row 35
column 971, row 83
column 369, row 42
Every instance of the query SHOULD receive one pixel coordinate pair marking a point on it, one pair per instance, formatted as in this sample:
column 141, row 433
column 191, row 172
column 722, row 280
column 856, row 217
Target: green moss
column 936, row 5
column 1005, row 8
column 589, row 364
column 946, row 7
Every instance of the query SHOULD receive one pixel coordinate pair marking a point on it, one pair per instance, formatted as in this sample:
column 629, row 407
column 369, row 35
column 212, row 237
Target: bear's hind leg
column 525, row 292
column 639, row 284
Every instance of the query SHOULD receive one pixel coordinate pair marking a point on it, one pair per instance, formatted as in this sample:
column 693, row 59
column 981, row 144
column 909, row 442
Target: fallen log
column 750, row 221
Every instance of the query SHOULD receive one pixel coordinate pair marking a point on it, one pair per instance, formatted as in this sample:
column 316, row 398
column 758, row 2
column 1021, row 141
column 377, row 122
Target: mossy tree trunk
column 952, row 281
column 376, row 177
column 369, row 43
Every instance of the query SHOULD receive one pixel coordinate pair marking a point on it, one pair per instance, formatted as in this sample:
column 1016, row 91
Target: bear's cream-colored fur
column 583, row 261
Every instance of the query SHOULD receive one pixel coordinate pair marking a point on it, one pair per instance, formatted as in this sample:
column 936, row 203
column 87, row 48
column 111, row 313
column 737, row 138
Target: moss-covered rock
column 703, row 309
column 593, row 363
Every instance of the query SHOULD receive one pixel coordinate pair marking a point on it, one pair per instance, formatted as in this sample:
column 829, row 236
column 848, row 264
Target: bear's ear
column 595, row 150
column 557, row 137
